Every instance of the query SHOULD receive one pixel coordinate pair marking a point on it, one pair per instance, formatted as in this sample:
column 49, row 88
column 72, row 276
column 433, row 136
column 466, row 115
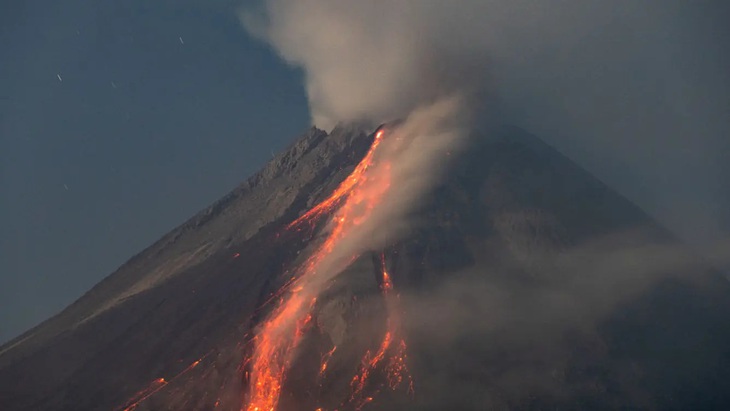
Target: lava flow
column 395, row 370
column 139, row 397
column 157, row 385
column 276, row 341
column 325, row 361
column 345, row 188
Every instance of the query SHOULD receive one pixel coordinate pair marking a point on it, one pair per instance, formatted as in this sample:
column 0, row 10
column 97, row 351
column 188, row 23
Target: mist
column 635, row 91
column 532, row 338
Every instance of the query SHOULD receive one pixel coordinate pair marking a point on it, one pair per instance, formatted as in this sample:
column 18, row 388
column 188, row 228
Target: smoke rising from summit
column 371, row 61
column 636, row 90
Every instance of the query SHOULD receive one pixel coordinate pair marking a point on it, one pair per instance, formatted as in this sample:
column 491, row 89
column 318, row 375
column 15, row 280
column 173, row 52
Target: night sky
column 143, row 130
column 121, row 119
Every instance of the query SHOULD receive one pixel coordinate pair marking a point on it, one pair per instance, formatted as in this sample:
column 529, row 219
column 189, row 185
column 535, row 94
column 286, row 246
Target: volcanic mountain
column 523, row 282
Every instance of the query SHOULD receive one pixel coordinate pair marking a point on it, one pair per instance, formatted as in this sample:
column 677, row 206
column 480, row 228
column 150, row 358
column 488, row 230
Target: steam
column 629, row 88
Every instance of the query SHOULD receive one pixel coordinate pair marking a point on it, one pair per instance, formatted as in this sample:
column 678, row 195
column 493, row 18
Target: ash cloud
column 637, row 91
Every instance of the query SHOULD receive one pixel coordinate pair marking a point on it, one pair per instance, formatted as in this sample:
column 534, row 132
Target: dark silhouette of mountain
column 525, row 283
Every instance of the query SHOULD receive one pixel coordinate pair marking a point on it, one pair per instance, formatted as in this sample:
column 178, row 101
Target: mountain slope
column 526, row 284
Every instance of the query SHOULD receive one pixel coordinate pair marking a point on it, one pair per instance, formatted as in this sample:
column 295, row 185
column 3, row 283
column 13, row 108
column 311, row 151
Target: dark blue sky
column 143, row 131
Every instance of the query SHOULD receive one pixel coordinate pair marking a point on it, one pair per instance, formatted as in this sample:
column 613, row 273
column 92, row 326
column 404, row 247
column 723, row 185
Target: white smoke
column 369, row 61
column 374, row 62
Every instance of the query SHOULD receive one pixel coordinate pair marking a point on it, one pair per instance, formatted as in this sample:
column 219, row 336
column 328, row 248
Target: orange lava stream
column 326, row 360
column 344, row 189
column 273, row 356
column 366, row 367
column 279, row 336
column 157, row 385
column 396, row 370
column 154, row 386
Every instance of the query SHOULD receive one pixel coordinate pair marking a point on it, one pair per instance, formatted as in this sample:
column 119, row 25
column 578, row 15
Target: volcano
column 522, row 282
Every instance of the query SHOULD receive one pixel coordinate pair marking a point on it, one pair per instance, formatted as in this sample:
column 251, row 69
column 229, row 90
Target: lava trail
column 345, row 188
column 395, row 369
column 151, row 389
column 157, row 385
column 325, row 361
column 276, row 341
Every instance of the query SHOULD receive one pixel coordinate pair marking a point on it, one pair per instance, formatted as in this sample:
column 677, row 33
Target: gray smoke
column 635, row 90
column 371, row 61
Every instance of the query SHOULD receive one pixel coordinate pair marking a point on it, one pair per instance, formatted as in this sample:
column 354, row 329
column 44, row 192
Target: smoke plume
column 370, row 61
column 632, row 89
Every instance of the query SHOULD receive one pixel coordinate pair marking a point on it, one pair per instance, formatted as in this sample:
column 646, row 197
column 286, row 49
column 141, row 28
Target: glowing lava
column 138, row 398
column 277, row 339
column 396, row 370
column 157, row 385
column 344, row 189
column 325, row 360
